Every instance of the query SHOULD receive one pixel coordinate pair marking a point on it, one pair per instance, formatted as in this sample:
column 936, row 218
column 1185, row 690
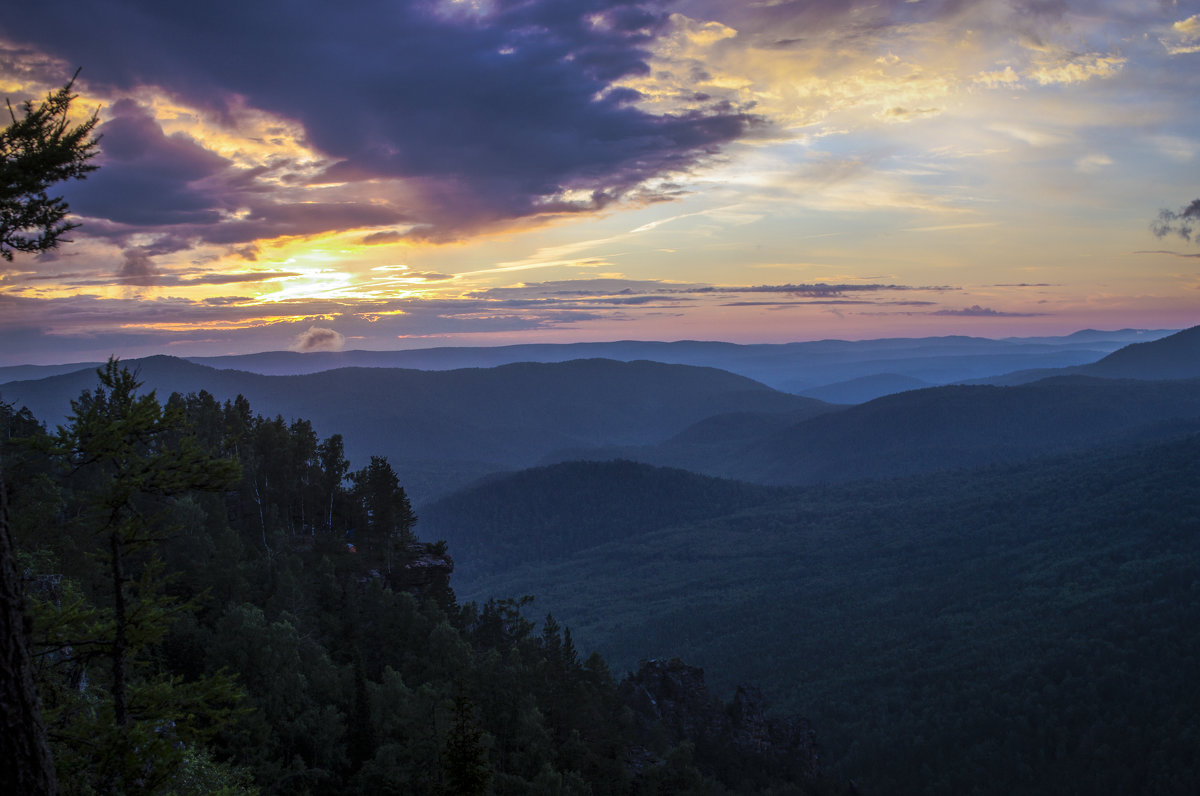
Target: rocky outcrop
column 426, row 570
column 671, row 703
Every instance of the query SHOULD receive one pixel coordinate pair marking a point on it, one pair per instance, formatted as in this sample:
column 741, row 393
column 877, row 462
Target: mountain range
column 441, row 429
column 988, row 587
column 838, row 371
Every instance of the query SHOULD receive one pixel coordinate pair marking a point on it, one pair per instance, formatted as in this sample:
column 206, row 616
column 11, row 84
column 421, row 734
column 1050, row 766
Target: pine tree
column 125, row 457
column 464, row 759
column 37, row 150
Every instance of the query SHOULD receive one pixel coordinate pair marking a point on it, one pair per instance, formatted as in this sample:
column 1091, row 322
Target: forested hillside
column 561, row 509
column 929, row 430
column 1018, row 629
column 222, row 605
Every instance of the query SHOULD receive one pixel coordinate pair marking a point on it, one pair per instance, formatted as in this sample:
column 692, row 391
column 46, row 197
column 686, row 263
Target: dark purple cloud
column 1181, row 222
column 148, row 178
column 489, row 116
column 594, row 288
column 976, row 311
column 172, row 187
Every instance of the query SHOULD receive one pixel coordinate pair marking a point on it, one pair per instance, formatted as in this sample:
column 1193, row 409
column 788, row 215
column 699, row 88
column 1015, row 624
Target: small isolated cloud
column 1002, row 78
column 1090, row 164
column 976, row 311
column 138, row 268
column 1069, row 68
column 900, row 114
column 1163, row 251
column 317, row 338
column 1180, row 222
column 380, row 238
column 1184, row 36
column 1176, row 147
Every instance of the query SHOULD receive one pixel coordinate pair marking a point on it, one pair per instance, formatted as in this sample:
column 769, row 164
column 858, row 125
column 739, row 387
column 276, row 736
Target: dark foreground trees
column 355, row 680
column 127, row 721
column 38, row 149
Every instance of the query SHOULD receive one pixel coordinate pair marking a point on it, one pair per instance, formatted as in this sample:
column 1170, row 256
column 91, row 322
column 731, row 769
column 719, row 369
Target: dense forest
column 222, row 605
column 1021, row 628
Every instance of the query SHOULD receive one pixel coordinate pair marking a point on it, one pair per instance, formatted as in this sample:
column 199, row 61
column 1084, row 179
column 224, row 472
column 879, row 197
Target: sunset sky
column 405, row 174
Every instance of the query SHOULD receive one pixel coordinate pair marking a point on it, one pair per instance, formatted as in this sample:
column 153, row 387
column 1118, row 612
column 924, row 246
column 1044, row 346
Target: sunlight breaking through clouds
column 695, row 144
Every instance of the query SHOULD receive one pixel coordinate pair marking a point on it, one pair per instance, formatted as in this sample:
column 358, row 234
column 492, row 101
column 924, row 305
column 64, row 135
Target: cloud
column 976, row 311
column 177, row 192
column 1092, row 163
column 138, row 268
column 819, row 289
column 657, row 289
column 513, row 115
column 1005, row 77
column 1184, row 36
column 317, row 338
column 148, row 178
column 899, row 114
column 1173, row 254
column 382, row 237
column 1181, row 222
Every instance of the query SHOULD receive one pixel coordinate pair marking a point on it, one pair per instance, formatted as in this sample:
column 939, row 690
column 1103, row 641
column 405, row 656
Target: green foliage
column 553, row 511
column 386, row 520
column 38, row 149
column 1014, row 629
column 352, row 680
column 464, row 757
column 118, row 720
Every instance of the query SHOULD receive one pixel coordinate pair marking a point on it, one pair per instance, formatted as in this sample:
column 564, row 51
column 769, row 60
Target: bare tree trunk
column 27, row 766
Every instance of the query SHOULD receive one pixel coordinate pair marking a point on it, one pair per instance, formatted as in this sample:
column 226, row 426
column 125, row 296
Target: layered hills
column 839, row 371
column 1176, row 356
column 442, row 428
column 969, row 588
column 924, row 431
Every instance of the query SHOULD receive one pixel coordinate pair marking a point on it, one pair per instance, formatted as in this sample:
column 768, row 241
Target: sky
column 379, row 175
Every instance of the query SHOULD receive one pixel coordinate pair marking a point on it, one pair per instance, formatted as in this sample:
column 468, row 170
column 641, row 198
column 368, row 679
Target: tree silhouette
column 38, row 149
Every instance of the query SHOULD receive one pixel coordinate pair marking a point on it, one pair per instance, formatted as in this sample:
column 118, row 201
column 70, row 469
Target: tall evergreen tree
column 388, row 518
column 125, row 457
column 464, row 759
column 37, row 150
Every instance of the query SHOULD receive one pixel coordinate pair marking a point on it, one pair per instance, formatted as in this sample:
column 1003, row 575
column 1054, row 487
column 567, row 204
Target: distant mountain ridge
column 791, row 367
column 921, row 431
column 1176, row 356
column 942, row 428
column 836, row 366
column 447, row 427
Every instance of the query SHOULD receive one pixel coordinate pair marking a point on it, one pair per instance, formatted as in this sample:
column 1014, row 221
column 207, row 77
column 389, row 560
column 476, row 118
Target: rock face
column 425, row 571
column 671, row 697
